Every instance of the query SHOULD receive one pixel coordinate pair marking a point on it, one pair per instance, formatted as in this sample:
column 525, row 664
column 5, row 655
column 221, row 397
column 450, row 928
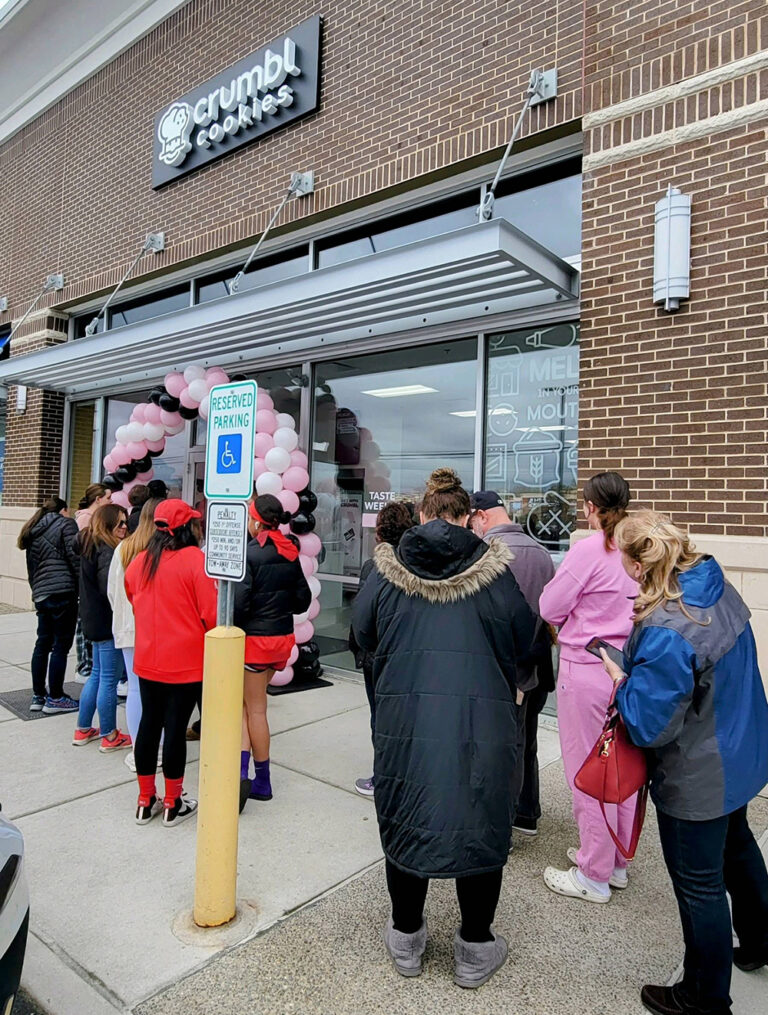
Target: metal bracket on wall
column 52, row 284
column 154, row 243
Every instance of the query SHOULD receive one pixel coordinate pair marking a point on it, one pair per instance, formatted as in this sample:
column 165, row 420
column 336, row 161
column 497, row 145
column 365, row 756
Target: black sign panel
column 272, row 87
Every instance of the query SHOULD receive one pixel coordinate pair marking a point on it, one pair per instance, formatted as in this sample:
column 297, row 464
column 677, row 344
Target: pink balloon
column 139, row 412
column 262, row 443
column 259, row 468
column 215, row 375
column 170, row 418
column 310, row 544
column 295, row 479
column 294, row 655
column 299, row 459
column 174, row 384
column 307, row 564
column 136, row 449
column 289, row 500
column 263, row 401
column 265, row 421
column 144, row 477
column 282, row 677
column 109, row 463
column 156, row 445
column 304, row 632
column 285, row 529
column 152, row 413
column 120, row 455
column 314, row 609
column 187, row 400
column 120, row 497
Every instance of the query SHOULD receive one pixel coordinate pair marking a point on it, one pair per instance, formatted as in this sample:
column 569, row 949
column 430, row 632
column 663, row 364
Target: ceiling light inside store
column 403, row 389
column 470, row 413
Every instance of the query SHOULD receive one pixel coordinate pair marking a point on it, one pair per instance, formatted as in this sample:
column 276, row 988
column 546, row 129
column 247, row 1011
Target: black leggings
column 478, row 896
column 165, row 708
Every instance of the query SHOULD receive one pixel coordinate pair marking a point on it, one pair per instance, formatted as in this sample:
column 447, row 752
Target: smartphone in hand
column 613, row 653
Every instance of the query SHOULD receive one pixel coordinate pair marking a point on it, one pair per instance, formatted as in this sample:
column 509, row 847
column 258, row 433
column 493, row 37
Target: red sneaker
column 84, row 736
column 120, row 742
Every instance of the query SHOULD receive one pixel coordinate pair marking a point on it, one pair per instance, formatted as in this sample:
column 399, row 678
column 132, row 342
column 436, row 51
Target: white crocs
column 566, row 883
column 619, row 877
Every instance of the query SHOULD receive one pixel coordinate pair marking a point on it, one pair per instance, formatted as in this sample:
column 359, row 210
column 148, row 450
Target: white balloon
column 198, row 389
column 153, row 431
column 269, row 482
column 285, row 419
column 193, row 373
column 135, row 431
column 277, row 460
column 171, row 431
column 314, row 586
column 121, row 435
column 299, row 618
column 286, row 438
column 204, row 406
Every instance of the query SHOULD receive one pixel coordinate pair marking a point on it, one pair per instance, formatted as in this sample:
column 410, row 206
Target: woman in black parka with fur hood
column 449, row 627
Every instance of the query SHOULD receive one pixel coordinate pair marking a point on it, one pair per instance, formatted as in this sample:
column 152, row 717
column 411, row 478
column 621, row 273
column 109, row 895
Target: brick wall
column 678, row 93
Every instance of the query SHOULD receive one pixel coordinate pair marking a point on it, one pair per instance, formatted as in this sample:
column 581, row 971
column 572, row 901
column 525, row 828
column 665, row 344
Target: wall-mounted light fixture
column 672, row 249
column 154, row 242
column 3, row 304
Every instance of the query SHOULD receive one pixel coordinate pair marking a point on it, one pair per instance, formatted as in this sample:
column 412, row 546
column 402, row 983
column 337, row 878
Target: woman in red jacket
column 174, row 604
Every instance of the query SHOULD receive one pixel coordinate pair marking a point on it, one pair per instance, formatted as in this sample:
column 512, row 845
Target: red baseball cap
column 172, row 514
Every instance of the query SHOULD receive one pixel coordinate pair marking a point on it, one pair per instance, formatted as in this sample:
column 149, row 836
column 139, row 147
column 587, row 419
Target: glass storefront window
column 80, row 451
column 149, row 306
column 532, row 418
column 263, row 272
column 171, row 464
column 549, row 213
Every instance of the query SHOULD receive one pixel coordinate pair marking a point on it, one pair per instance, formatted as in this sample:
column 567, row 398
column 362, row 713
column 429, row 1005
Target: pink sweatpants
column 583, row 693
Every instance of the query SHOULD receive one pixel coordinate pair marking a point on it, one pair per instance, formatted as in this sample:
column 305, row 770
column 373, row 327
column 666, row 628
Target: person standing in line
column 694, row 698
column 273, row 590
column 137, row 498
column 392, row 522
column 532, row 566
column 157, row 489
column 449, row 629
column 174, row 604
column 96, row 545
column 590, row 596
column 53, row 571
column 96, row 495
column 123, row 626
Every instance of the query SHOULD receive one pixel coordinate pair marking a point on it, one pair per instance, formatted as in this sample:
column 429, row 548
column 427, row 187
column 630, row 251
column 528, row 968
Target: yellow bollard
column 216, row 865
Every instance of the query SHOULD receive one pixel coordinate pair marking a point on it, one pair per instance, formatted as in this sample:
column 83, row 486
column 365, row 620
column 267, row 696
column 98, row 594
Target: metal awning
column 483, row 269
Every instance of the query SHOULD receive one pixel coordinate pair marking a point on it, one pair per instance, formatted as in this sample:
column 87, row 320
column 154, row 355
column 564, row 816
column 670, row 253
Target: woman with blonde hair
column 96, row 545
column 123, row 626
column 96, row 495
column 693, row 696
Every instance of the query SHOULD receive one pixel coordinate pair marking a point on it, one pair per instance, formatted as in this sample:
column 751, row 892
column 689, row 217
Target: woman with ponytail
column 590, row 596
column 694, row 698
column 273, row 590
column 174, row 604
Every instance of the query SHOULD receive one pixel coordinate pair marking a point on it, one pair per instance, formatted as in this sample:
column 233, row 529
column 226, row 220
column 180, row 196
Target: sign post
column 228, row 487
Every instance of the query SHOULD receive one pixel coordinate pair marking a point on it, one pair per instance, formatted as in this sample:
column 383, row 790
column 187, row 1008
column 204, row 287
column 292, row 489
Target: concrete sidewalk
column 111, row 902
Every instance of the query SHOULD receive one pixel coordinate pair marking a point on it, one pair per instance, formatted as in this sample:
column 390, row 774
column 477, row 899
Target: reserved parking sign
column 231, row 432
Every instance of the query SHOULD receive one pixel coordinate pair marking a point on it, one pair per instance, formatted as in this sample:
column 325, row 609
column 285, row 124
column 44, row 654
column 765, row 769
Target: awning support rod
column 154, row 242
column 542, row 87
column 52, row 284
column 301, row 184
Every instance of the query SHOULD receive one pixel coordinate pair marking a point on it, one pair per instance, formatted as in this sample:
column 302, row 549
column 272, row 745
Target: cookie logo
column 173, row 133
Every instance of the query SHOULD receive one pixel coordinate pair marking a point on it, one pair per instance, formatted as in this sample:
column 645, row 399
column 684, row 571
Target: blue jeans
column 100, row 691
column 705, row 859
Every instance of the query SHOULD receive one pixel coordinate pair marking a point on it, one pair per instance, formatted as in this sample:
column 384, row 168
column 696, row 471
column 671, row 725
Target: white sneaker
column 619, row 877
column 122, row 689
column 567, row 883
column 184, row 808
column 129, row 761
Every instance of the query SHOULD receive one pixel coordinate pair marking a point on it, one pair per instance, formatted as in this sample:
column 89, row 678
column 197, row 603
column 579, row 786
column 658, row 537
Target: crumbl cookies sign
column 272, row 87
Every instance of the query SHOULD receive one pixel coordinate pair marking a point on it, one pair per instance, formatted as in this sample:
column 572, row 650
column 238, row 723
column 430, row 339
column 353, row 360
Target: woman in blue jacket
column 694, row 698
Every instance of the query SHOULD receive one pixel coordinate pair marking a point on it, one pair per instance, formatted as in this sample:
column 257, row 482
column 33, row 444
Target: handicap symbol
column 229, row 453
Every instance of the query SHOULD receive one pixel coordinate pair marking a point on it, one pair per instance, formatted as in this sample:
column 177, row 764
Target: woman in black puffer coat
column 52, row 569
column 273, row 590
column 449, row 627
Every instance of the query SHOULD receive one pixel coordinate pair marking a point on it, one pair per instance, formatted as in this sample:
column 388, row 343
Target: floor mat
column 18, row 701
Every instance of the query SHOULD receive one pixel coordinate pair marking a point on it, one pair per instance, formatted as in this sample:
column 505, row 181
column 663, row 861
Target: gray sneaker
column 405, row 950
column 476, row 962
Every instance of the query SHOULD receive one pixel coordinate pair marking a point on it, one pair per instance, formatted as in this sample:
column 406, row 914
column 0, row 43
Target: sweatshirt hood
column 703, row 585
column 438, row 549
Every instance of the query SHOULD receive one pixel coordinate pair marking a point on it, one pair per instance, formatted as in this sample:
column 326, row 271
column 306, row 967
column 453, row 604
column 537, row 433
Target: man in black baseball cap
column 532, row 567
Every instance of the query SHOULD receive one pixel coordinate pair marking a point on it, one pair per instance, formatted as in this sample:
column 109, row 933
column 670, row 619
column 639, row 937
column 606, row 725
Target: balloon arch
column 279, row 468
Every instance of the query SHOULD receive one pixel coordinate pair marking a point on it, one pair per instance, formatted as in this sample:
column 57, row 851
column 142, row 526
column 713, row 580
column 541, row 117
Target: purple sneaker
column 364, row 786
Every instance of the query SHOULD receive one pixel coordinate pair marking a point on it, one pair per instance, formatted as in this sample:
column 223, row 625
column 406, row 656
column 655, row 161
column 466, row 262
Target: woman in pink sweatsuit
column 590, row 596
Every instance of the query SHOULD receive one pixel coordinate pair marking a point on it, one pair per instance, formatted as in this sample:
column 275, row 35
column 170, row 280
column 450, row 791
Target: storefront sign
column 229, row 448
column 226, row 526
column 272, row 87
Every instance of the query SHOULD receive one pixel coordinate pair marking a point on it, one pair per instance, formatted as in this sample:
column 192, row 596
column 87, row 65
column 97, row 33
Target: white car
column 14, row 913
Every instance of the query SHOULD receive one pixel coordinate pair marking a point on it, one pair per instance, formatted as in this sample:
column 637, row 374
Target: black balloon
column 156, row 394
column 143, row 464
column 112, row 482
column 307, row 501
column 153, row 454
column 186, row 413
column 302, row 523
column 238, row 377
column 168, row 402
column 308, row 653
column 125, row 473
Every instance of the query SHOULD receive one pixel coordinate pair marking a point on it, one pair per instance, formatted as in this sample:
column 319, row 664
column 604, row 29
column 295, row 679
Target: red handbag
column 614, row 770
